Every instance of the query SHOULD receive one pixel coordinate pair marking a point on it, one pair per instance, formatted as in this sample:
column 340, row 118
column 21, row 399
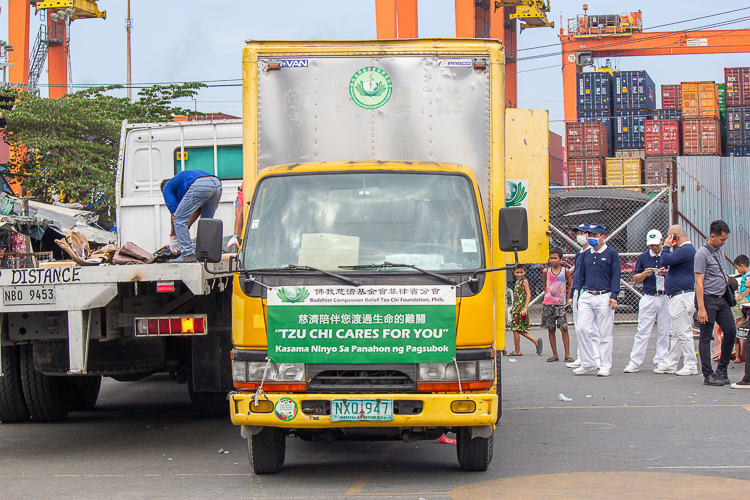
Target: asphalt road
column 636, row 435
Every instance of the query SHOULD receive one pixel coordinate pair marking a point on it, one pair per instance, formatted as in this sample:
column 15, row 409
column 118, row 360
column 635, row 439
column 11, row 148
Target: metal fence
column 627, row 214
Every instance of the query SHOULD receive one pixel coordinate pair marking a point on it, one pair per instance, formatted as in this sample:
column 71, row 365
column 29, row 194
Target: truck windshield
column 346, row 219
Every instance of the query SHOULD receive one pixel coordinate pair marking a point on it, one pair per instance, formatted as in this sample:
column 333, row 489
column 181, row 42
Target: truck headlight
column 252, row 371
column 446, row 372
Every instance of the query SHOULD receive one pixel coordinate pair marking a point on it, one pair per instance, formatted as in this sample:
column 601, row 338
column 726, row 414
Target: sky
column 187, row 40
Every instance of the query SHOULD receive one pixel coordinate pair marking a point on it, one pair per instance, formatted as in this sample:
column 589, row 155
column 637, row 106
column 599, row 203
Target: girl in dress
column 519, row 312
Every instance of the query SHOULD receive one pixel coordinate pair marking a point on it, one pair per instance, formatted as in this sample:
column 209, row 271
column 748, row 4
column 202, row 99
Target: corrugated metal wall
column 710, row 188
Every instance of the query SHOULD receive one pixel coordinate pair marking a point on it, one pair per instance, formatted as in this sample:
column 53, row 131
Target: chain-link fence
column 627, row 214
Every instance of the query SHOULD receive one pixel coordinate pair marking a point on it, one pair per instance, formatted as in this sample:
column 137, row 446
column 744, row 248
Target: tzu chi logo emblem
column 370, row 87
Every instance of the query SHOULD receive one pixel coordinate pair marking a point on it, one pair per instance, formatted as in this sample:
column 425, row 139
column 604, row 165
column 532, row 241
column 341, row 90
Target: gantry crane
column 581, row 46
column 51, row 42
column 474, row 19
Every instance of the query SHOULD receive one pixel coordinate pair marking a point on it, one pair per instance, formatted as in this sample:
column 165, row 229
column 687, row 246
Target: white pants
column 681, row 309
column 651, row 309
column 575, row 324
column 596, row 320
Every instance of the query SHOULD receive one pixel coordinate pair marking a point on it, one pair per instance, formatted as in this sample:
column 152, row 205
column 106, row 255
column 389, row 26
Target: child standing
column 557, row 283
column 519, row 312
column 742, row 263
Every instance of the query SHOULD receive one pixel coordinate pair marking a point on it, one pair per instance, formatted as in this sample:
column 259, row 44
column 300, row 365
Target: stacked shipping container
column 556, row 172
column 586, row 145
column 701, row 115
column 635, row 99
column 737, row 97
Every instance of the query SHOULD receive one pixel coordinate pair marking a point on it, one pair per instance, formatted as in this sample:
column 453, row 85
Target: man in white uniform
column 653, row 306
column 582, row 240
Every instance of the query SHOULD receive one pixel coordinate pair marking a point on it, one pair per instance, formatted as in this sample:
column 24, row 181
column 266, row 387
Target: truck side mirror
column 513, row 229
column 208, row 242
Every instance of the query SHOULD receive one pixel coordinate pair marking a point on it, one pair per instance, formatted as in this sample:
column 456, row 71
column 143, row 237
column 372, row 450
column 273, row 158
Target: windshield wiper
column 292, row 267
column 389, row 264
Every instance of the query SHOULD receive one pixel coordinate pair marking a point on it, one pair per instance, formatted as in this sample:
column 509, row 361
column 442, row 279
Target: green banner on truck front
column 366, row 324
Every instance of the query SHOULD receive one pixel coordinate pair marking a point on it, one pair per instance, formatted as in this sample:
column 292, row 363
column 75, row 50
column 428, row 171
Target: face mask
column 581, row 239
column 594, row 242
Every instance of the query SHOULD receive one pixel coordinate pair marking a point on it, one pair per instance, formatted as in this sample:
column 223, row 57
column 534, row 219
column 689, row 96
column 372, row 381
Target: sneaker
column 603, row 372
column 722, row 375
column 184, row 259
column 662, row 368
column 687, row 370
column 742, row 384
column 574, row 364
column 713, row 380
column 631, row 368
column 583, row 370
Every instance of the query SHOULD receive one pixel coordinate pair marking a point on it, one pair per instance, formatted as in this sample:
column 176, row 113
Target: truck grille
column 362, row 377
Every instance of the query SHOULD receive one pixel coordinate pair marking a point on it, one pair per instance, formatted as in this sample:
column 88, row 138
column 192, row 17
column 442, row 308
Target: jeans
column 681, row 309
column 203, row 194
column 718, row 311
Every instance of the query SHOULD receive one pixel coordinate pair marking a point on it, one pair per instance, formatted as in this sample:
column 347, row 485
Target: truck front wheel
column 47, row 397
column 12, row 404
column 267, row 450
column 473, row 454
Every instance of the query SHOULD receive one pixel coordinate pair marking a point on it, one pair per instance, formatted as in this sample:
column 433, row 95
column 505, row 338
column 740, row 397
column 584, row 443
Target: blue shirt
column 578, row 262
column 601, row 270
column 646, row 261
column 175, row 189
column 680, row 277
column 743, row 282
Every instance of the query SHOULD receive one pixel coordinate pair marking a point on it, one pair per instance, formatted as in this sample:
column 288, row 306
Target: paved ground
column 626, row 436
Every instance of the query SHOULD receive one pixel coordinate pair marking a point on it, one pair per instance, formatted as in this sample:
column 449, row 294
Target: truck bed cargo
column 662, row 138
column 671, row 96
column 737, row 87
column 701, row 136
column 633, row 90
column 586, row 140
column 700, row 99
column 594, row 91
column 629, row 129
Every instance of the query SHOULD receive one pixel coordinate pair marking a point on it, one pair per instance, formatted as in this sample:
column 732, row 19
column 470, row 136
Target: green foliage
column 73, row 141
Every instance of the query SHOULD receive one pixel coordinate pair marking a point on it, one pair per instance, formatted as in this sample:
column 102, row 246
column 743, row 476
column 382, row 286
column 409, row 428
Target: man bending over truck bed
column 188, row 195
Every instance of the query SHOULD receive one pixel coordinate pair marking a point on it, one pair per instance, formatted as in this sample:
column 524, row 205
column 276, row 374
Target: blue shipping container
column 738, row 127
column 600, row 116
column 594, row 92
column 668, row 114
column 741, row 151
column 629, row 129
column 634, row 90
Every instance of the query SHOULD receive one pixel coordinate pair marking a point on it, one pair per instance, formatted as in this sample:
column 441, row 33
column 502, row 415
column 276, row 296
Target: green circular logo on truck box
column 370, row 87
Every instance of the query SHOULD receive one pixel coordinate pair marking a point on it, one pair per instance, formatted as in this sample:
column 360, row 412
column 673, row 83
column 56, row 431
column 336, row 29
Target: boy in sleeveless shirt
column 557, row 282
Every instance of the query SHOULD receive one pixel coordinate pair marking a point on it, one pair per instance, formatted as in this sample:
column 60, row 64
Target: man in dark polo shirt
column 710, row 284
column 600, row 280
column 679, row 284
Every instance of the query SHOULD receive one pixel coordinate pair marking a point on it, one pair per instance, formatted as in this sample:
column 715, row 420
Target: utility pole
column 129, row 28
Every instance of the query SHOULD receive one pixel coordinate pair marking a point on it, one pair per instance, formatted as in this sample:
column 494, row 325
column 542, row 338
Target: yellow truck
column 376, row 179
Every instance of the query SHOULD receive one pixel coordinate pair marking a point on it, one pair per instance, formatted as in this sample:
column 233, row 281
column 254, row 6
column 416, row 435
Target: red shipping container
column 701, row 136
column 556, row 174
column 586, row 172
column 555, row 145
column 671, row 96
column 662, row 137
column 658, row 169
column 737, row 87
column 586, row 140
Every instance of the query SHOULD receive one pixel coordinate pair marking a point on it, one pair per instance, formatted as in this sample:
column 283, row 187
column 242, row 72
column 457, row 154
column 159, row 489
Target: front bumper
column 436, row 411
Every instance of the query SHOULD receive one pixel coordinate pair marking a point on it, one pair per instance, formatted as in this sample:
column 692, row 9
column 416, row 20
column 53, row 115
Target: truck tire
column 208, row 404
column 84, row 391
column 473, row 454
column 47, row 397
column 12, row 404
column 267, row 450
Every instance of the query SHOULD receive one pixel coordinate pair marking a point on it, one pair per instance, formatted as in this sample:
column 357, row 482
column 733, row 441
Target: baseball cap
column 653, row 237
column 580, row 227
column 595, row 228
